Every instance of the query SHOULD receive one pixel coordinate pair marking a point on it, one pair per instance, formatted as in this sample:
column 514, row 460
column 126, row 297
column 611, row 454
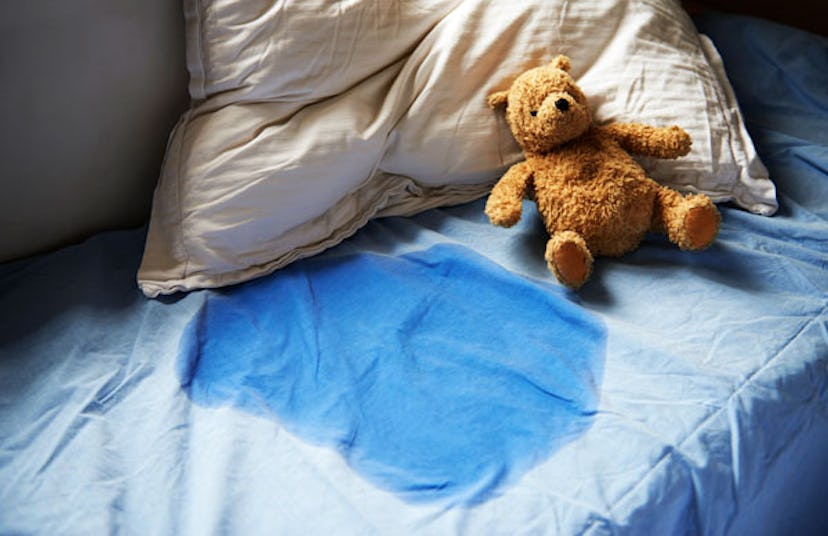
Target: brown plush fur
column 593, row 196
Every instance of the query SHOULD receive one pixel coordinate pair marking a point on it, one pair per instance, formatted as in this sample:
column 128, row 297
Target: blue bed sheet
column 429, row 376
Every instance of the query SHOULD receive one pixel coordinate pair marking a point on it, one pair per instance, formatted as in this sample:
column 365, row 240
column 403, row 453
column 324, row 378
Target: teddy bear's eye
column 533, row 113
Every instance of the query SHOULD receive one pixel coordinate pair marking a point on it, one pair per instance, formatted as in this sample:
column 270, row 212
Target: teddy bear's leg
column 691, row 222
column 569, row 258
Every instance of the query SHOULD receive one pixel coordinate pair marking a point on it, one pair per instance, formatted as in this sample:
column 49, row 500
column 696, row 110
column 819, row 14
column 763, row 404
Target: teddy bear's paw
column 678, row 142
column 701, row 225
column 568, row 257
column 504, row 214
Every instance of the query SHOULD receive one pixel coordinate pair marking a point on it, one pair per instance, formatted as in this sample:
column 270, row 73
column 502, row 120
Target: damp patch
column 436, row 374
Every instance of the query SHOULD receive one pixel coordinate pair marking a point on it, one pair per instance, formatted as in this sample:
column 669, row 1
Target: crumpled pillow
column 309, row 118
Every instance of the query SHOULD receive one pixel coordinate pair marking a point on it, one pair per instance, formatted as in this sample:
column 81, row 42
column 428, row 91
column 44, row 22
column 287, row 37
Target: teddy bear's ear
column 497, row 99
column 561, row 62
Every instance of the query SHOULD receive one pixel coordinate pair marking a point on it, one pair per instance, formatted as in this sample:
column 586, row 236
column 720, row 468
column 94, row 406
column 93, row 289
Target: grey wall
column 89, row 90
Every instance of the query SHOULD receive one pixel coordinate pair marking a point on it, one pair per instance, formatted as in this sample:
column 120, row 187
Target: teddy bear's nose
column 562, row 105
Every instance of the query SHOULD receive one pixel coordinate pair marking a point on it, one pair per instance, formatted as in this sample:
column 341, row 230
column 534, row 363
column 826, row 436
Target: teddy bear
column 593, row 197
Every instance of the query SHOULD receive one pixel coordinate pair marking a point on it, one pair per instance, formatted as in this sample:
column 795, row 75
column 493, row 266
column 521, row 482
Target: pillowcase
column 311, row 117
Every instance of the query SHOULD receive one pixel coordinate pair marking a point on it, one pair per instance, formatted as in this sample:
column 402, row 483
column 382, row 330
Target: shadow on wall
column 91, row 90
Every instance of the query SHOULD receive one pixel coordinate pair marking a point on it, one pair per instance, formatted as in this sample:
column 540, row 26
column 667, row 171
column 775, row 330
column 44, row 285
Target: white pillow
column 311, row 117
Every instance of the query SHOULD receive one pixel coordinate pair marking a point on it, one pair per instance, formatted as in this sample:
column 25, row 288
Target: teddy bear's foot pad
column 569, row 259
column 701, row 226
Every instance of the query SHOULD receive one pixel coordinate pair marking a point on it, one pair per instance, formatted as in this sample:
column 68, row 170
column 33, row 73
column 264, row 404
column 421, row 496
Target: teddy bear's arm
column 660, row 142
column 506, row 200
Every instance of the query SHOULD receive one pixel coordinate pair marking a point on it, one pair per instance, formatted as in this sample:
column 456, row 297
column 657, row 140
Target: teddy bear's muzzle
column 557, row 107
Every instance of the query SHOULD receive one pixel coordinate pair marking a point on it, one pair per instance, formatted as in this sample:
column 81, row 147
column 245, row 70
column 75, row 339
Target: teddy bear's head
column 545, row 108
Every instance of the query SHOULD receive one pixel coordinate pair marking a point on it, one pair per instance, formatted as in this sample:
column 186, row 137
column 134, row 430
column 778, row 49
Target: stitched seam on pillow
column 178, row 201
column 198, row 49
column 199, row 60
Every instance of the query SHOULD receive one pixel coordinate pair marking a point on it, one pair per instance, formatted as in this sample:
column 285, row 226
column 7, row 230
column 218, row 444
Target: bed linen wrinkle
column 816, row 165
column 676, row 450
column 607, row 400
column 103, row 394
column 779, row 133
column 314, row 315
column 685, row 517
column 790, row 274
column 349, row 498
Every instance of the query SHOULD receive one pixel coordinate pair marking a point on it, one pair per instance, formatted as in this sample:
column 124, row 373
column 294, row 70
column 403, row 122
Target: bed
column 421, row 371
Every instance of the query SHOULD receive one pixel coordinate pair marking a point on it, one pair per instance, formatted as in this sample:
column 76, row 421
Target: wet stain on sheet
column 436, row 375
